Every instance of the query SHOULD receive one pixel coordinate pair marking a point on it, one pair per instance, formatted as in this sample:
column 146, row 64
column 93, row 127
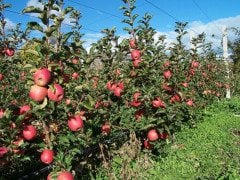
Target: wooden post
column 225, row 58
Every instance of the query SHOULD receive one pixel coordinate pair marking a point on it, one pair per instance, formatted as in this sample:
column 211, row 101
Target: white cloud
column 34, row 3
column 213, row 31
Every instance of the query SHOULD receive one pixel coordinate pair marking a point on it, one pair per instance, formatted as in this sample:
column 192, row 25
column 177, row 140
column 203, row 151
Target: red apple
column 75, row 123
column 65, row 175
column 2, row 113
column 55, row 94
column 29, row 132
column 1, row 77
column 167, row 74
column 158, row 103
column 163, row 135
column 106, row 128
column 135, row 54
column 47, row 156
column 194, row 64
column 189, row 102
column 117, row 91
column 132, row 43
column 185, row 84
column 42, row 77
column 147, row 145
column 38, row 93
column 166, row 64
column 152, row 135
column 9, row 51
column 75, row 60
column 3, row 151
column 24, row 109
column 175, row 98
column 136, row 62
column 75, row 75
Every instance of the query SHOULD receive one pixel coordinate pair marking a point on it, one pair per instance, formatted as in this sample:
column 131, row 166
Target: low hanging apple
column 75, row 123
column 29, row 132
column 55, row 94
column 132, row 43
column 9, row 52
column 152, row 135
column 42, row 77
column 24, row 109
column 106, row 128
column 65, row 175
column 38, row 93
column 47, row 156
column 135, row 54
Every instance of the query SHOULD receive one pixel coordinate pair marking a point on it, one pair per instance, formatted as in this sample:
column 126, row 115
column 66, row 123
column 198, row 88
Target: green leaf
column 43, row 105
column 28, row 66
column 32, row 9
column 87, row 105
column 66, row 37
column 34, row 26
column 67, row 10
column 31, row 51
column 91, row 101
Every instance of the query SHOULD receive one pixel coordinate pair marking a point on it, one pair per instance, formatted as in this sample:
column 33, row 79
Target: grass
column 209, row 151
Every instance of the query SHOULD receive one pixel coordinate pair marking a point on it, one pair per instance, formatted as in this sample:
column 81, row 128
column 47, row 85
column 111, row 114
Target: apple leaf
column 66, row 37
column 32, row 9
column 67, row 10
column 34, row 26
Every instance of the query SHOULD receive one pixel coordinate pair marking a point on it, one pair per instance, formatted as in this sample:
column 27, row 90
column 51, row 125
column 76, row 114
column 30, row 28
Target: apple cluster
column 42, row 78
column 135, row 53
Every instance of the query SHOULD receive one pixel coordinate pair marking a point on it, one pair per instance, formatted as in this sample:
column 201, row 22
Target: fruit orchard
column 59, row 99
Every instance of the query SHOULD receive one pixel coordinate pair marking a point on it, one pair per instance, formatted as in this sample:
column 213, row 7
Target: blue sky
column 202, row 15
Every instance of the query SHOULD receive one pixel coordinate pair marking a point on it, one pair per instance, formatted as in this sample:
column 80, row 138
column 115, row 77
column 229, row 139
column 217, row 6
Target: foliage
column 132, row 85
column 208, row 151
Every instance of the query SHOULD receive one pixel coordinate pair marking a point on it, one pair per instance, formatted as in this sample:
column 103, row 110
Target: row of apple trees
column 57, row 99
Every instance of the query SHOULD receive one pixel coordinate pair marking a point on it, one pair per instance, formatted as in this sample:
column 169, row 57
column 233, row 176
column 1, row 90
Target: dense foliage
column 57, row 99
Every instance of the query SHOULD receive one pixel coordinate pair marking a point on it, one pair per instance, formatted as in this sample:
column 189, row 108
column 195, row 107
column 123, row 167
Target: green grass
column 211, row 150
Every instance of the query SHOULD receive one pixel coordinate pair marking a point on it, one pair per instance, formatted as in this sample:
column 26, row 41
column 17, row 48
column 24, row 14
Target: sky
column 207, row 16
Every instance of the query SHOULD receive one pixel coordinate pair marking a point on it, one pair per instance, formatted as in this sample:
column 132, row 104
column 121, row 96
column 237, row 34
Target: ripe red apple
column 1, row 77
column 75, row 123
column 24, row 109
column 185, row 84
column 158, row 103
column 189, row 102
column 166, row 64
column 132, row 43
column 106, row 128
column 167, row 74
column 136, row 62
column 47, row 156
column 75, row 75
column 194, row 64
column 135, row 54
column 29, row 132
column 152, row 135
column 38, row 93
column 163, row 135
column 3, row 151
column 117, row 91
column 75, row 60
column 2, row 113
column 55, row 94
column 42, row 77
column 9, row 51
column 65, row 175
column 147, row 145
